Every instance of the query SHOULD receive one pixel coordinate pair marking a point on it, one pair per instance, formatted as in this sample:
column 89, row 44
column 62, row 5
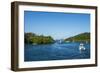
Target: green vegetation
column 83, row 37
column 31, row 38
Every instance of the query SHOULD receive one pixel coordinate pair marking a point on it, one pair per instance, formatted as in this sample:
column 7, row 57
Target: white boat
column 81, row 47
column 34, row 44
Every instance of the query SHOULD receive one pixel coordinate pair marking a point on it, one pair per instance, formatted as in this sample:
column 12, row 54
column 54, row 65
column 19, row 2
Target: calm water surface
column 55, row 52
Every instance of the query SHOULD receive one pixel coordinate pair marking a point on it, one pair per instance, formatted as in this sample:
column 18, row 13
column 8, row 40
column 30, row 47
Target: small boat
column 60, row 41
column 81, row 47
column 34, row 44
column 86, row 42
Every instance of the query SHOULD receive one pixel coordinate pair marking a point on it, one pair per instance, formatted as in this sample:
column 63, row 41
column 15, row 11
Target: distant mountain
column 83, row 37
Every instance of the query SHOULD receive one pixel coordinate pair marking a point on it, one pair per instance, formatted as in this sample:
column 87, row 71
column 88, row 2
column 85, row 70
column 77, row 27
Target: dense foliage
column 32, row 38
column 83, row 37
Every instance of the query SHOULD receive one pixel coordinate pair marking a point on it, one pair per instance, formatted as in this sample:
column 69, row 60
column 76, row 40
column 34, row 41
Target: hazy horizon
column 55, row 24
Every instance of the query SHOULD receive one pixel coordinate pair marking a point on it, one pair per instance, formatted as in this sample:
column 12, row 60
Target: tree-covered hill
column 83, row 37
column 32, row 38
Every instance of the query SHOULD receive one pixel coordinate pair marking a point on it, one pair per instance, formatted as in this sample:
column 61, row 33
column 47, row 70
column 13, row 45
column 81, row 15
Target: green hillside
column 32, row 38
column 83, row 37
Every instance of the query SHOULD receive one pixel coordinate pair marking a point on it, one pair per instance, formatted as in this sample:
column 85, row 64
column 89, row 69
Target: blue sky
column 56, row 24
